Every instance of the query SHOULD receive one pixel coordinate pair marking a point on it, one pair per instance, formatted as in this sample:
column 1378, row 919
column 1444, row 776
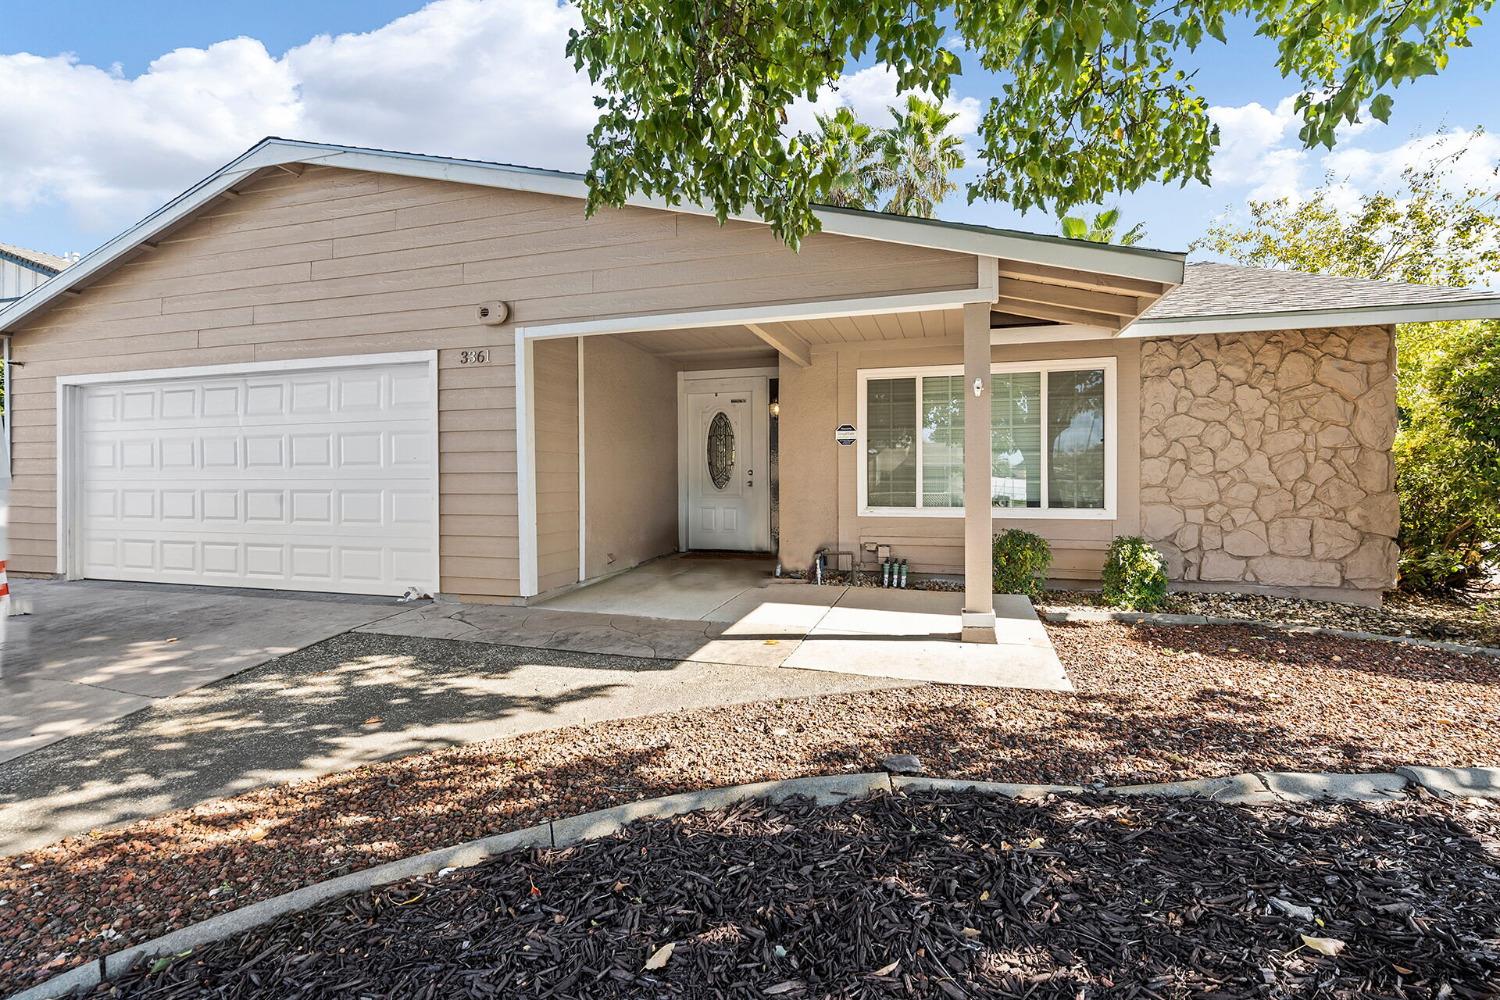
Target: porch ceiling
column 1063, row 295
column 1029, row 295
column 794, row 339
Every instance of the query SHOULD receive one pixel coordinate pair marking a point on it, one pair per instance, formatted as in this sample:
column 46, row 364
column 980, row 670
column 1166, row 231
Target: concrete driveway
column 93, row 652
column 347, row 701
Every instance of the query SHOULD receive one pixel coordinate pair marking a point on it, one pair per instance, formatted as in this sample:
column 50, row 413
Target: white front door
column 728, row 498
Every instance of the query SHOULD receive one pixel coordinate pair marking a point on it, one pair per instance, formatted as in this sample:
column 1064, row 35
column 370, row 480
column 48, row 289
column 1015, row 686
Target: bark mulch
column 933, row 895
column 1153, row 704
column 1471, row 618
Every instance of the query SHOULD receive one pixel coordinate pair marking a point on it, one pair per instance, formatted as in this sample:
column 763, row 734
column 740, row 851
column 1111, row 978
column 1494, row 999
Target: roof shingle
column 1211, row 290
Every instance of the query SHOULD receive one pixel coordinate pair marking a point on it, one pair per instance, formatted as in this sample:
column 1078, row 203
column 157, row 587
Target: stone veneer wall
column 1266, row 458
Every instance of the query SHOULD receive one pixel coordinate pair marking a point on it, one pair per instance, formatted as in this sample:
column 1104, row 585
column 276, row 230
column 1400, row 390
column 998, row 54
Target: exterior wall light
column 776, row 409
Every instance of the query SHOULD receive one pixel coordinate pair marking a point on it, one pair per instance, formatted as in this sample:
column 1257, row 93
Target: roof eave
column 1375, row 315
column 1151, row 265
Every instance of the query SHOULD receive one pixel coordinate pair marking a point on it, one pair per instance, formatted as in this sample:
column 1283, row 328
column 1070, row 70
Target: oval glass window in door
column 720, row 450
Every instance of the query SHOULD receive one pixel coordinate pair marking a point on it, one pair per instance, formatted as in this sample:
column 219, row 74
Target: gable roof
column 34, row 260
column 1228, row 298
column 1135, row 262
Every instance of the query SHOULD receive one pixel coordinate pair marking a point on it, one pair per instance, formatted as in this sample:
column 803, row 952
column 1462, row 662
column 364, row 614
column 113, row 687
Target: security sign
column 845, row 434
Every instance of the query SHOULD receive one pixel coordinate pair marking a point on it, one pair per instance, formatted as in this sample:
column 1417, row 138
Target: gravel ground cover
column 933, row 895
column 1473, row 619
column 1153, row 704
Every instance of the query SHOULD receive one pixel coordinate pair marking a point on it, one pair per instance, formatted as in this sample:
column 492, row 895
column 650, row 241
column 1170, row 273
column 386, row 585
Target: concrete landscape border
column 1251, row 789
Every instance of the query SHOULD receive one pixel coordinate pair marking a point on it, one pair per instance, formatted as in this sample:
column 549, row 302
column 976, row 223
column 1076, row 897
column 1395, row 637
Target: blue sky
column 111, row 108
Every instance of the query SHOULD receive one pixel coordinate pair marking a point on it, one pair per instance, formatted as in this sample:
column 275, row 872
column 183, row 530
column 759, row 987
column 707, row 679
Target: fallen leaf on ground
column 661, row 956
column 1323, row 945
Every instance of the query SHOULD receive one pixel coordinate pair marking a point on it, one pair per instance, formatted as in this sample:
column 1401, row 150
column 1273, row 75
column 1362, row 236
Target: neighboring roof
column 1135, row 262
column 36, row 260
column 1227, row 298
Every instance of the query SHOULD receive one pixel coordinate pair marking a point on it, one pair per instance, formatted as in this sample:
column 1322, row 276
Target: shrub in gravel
column 1135, row 575
column 1020, row 561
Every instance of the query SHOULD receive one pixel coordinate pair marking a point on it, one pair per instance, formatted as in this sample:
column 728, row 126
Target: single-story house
column 353, row 370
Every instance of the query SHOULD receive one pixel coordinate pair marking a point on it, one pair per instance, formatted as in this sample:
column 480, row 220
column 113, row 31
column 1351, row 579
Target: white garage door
column 314, row 479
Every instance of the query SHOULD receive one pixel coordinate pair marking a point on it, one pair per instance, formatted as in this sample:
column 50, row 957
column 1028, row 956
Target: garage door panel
column 375, row 512
column 405, row 452
column 318, row 480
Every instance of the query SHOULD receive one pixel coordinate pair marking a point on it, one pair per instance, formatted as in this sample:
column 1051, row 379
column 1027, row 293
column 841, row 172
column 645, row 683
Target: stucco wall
column 1266, row 460
column 630, row 455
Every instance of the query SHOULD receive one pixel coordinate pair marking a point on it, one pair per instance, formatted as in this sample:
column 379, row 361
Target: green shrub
column 1448, row 455
column 1135, row 574
column 1020, row 561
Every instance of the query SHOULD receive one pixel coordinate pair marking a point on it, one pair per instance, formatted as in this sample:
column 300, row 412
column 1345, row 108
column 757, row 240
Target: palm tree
column 848, row 146
column 1102, row 229
column 916, row 155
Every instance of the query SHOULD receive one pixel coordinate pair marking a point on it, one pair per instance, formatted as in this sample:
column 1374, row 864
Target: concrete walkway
column 91, row 652
column 707, row 610
column 347, row 701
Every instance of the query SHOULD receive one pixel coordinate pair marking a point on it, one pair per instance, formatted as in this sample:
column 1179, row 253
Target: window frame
column 1111, row 438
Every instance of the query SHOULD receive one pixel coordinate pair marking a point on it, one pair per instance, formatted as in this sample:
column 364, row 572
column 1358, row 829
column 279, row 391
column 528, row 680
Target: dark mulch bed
column 1471, row 618
column 1153, row 704
column 934, row 895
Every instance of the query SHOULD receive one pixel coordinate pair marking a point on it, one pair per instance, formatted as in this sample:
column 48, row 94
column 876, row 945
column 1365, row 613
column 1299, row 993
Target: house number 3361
column 479, row 357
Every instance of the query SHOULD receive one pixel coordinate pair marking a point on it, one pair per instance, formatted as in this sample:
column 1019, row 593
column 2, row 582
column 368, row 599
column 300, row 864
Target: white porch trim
column 583, row 534
column 874, row 305
column 526, row 543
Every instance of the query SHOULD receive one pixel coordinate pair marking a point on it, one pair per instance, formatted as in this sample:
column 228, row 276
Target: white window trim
column 1111, row 439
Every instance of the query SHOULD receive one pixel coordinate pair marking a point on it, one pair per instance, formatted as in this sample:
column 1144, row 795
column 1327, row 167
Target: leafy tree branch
column 1093, row 102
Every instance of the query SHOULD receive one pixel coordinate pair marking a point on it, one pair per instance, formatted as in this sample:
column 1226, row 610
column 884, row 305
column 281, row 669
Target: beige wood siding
column 555, row 368
column 337, row 262
column 630, row 455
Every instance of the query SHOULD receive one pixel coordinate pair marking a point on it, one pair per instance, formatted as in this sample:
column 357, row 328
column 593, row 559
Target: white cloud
column 1369, row 170
column 478, row 78
column 1249, row 135
column 1260, row 156
column 108, row 146
column 870, row 93
column 487, row 79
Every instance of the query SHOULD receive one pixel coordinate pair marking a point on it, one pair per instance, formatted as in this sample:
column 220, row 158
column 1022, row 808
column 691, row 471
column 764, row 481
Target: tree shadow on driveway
column 350, row 700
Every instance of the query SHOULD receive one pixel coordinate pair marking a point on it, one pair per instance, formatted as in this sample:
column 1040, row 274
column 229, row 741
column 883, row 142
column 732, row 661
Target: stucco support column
column 979, row 605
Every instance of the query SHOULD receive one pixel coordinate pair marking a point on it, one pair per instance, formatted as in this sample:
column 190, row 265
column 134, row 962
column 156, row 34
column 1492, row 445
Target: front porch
column 758, row 430
column 718, row 609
